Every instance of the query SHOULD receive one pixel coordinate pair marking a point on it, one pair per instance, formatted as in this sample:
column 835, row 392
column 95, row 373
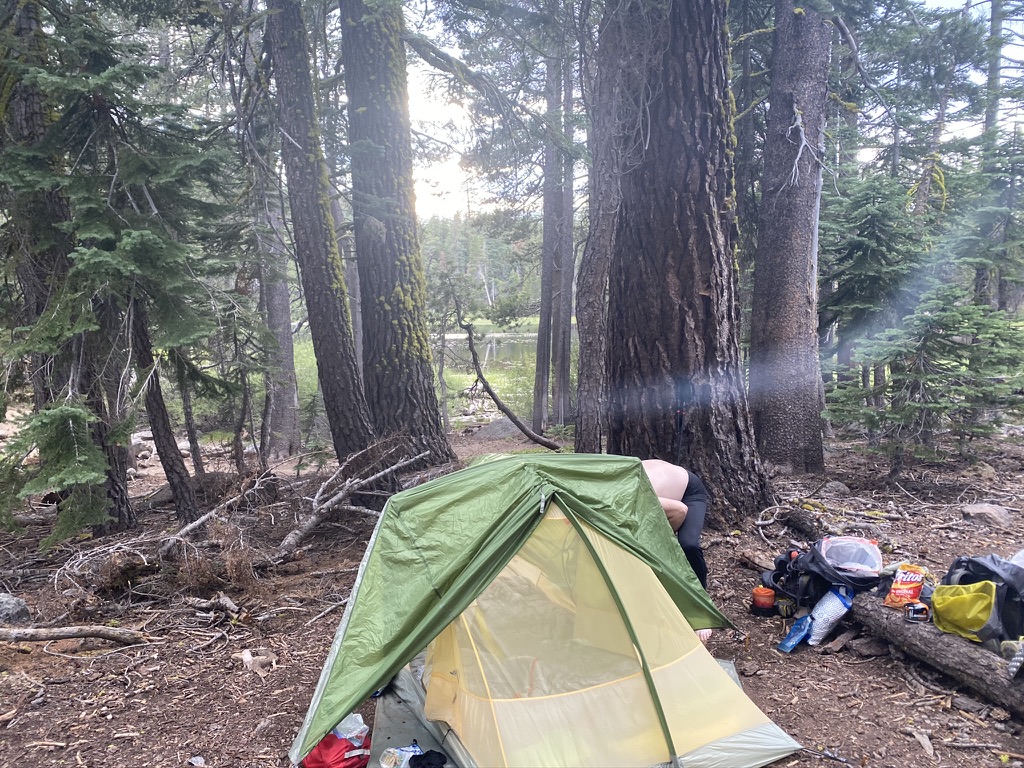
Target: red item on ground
column 333, row 752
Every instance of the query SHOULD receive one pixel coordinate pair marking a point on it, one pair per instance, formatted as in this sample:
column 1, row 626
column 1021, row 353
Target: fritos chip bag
column 906, row 585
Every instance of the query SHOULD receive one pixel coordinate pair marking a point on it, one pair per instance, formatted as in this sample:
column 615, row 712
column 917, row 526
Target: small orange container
column 762, row 602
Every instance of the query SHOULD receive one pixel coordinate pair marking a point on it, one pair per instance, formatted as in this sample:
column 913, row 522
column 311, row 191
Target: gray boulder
column 835, row 489
column 991, row 515
column 13, row 610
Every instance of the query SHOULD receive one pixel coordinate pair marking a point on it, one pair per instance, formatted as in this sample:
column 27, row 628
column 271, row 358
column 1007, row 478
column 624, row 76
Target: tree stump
column 968, row 663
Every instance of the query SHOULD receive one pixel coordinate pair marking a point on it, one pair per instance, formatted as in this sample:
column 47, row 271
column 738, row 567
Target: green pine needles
column 54, row 453
column 952, row 366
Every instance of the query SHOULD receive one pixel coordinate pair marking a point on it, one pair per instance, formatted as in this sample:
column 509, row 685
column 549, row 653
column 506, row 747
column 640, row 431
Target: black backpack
column 1008, row 621
column 805, row 576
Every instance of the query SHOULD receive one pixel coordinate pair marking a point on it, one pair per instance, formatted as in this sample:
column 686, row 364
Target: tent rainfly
column 558, row 614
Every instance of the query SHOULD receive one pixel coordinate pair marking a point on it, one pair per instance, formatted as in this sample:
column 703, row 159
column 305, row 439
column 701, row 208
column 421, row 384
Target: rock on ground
column 13, row 610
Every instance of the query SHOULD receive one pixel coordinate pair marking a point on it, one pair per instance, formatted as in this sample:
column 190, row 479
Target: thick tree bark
column 784, row 370
column 36, row 217
column 605, row 105
column 968, row 663
column 676, row 384
column 397, row 364
column 185, row 502
column 309, row 198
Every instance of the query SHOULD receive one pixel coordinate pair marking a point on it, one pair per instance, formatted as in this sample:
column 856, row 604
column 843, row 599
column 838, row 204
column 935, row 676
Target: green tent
column 545, row 581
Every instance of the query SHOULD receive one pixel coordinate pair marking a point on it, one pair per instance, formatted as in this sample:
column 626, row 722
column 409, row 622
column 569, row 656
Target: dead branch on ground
column 332, row 495
column 41, row 635
column 468, row 328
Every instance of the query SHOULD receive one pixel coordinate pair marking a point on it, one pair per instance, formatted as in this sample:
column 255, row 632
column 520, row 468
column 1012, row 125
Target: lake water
column 509, row 349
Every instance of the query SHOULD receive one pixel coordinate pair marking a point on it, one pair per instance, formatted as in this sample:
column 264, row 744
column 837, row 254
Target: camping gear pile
column 979, row 598
column 557, row 614
column 818, row 586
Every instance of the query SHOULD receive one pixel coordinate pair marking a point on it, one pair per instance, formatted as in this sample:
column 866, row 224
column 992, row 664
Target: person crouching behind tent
column 685, row 500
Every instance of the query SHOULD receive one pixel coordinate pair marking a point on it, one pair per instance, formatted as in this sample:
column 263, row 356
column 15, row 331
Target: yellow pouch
column 964, row 609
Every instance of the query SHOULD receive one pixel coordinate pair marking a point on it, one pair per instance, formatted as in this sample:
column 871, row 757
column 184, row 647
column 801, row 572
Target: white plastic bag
column 827, row 612
column 852, row 553
column 352, row 728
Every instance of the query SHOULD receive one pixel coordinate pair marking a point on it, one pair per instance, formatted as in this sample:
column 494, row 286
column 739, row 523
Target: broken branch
column 42, row 635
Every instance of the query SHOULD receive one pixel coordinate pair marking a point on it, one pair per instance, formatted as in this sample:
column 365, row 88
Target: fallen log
column 968, row 663
column 802, row 521
column 44, row 634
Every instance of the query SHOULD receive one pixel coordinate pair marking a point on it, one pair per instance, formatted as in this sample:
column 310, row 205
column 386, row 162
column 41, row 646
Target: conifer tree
column 136, row 183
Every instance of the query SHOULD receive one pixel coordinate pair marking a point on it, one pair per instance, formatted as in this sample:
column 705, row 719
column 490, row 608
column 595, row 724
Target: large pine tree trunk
column 785, row 373
column 397, row 364
column 41, row 258
column 309, row 198
column 676, row 385
column 605, row 95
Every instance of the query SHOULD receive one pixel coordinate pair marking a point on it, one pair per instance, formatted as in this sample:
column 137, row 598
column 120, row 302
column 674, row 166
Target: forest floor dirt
column 193, row 696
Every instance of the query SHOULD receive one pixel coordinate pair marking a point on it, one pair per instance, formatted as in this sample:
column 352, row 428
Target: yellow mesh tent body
column 576, row 655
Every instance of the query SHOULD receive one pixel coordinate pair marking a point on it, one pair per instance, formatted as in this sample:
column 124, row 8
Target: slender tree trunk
column 320, row 267
column 281, row 407
column 552, row 203
column 785, row 374
column 897, row 137
column 747, row 170
column 244, row 412
column 562, row 332
column 994, row 85
column 178, row 479
column 923, row 195
column 993, row 230
column 343, row 231
column 397, row 363
column 190, row 426
column 106, row 366
column 676, row 384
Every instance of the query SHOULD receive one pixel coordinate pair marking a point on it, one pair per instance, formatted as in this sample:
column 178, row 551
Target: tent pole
column 644, row 665
column 487, row 686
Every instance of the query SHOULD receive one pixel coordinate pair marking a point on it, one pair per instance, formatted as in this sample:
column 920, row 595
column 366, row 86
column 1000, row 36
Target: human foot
column 704, row 635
